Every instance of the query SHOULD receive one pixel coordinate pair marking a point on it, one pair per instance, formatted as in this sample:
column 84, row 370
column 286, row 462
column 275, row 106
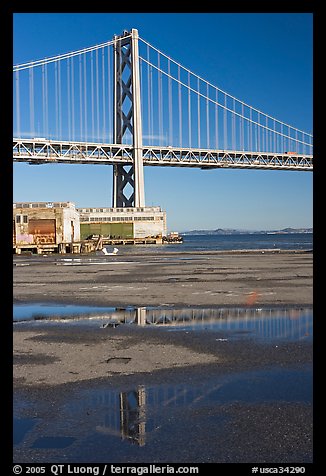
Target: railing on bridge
column 39, row 151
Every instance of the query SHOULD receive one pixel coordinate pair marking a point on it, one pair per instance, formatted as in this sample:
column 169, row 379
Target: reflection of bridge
column 134, row 415
column 264, row 322
column 295, row 323
column 127, row 418
column 163, row 114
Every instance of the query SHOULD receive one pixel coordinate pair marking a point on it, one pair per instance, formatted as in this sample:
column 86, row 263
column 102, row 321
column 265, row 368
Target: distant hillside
column 231, row 231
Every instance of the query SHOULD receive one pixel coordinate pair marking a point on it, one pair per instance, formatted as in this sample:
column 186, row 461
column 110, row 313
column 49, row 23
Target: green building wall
column 113, row 230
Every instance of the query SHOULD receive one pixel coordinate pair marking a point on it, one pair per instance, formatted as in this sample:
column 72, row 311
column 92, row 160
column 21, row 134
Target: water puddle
column 202, row 417
column 53, row 442
column 21, row 426
column 111, row 424
column 258, row 323
column 39, row 311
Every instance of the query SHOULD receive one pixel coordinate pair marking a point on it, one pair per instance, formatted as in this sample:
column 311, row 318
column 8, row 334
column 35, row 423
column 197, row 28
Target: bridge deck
column 42, row 151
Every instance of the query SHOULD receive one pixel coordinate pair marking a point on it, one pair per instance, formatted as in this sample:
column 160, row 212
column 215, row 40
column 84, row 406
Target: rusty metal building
column 45, row 227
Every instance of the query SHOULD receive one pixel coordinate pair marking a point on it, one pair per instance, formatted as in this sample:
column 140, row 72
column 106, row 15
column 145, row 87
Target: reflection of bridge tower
column 140, row 318
column 127, row 120
column 132, row 415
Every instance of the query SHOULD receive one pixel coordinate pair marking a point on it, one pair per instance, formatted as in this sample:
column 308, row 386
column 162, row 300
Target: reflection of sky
column 264, row 326
column 289, row 324
column 34, row 311
column 21, row 427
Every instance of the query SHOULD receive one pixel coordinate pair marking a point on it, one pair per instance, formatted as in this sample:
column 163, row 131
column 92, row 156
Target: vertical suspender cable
column 233, row 126
column 43, row 101
column 180, row 108
column 159, row 102
column 250, row 128
column 225, row 131
column 59, row 102
column 302, row 146
column 189, row 110
column 56, row 94
column 150, row 117
column 207, row 119
column 152, row 105
column 258, row 133
column 17, row 92
column 247, row 127
column 198, row 111
column 103, row 96
column 216, row 120
column 80, row 99
column 72, row 99
column 92, row 95
column 149, row 93
column 141, row 75
column 170, row 104
column 264, row 130
column 31, row 100
column 46, row 101
column 274, row 137
column 254, row 138
column 151, row 102
column 97, row 97
column 242, row 127
column 85, row 99
column 69, row 100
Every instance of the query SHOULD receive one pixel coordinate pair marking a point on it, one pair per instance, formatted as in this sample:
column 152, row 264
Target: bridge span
column 127, row 104
column 41, row 151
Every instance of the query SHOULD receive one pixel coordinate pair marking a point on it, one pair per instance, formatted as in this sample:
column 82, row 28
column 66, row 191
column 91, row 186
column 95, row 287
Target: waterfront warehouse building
column 45, row 227
column 60, row 227
column 125, row 223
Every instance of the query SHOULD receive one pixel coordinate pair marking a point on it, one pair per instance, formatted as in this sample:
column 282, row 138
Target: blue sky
column 264, row 59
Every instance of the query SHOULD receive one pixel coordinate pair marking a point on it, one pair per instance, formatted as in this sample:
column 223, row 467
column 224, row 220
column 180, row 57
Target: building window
column 18, row 218
column 25, row 219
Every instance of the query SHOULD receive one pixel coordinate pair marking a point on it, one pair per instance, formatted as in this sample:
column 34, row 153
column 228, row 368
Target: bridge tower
column 127, row 120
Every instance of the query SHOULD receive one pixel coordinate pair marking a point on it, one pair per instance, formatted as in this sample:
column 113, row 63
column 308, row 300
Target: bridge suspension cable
column 216, row 118
column 64, row 56
column 70, row 97
column 67, row 97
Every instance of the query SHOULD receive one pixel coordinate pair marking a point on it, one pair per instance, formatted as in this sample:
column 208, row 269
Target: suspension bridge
column 127, row 104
